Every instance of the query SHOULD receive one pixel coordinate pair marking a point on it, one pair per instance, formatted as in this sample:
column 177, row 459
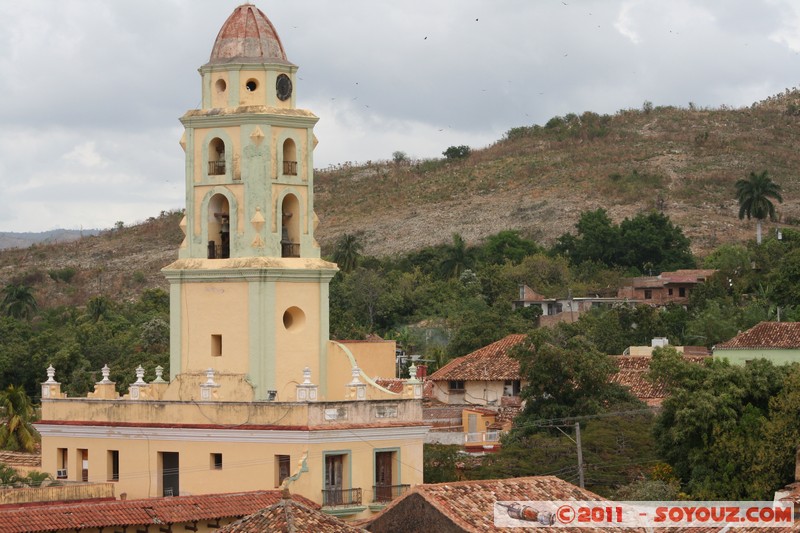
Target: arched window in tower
column 219, row 229
column 216, row 157
column 290, row 226
column 289, row 158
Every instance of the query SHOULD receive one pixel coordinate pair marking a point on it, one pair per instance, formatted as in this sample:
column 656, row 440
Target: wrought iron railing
column 387, row 493
column 290, row 168
column 216, row 168
column 482, row 436
column 341, row 497
column 290, row 249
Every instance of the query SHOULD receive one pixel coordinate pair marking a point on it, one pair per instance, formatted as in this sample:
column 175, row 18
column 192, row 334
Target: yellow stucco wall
column 218, row 309
column 297, row 345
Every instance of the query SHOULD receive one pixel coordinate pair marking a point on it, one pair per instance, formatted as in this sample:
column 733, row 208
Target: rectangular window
column 337, row 490
column 283, row 467
column 669, row 291
column 216, row 345
column 216, row 461
column 169, row 473
column 62, row 460
column 648, row 294
column 511, row 387
column 682, row 292
column 113, row 465
column 457, row 385
column 83, row 464
column 385, row 489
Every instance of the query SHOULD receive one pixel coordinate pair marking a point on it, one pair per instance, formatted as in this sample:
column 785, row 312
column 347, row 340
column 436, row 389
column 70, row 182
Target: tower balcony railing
column 388, row 493
column 339, row 497
column 290, row 168
column 290, row 249
column 216, row 168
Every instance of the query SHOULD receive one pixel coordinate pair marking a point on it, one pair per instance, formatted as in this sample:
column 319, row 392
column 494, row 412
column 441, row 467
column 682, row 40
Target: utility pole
column 580, row 453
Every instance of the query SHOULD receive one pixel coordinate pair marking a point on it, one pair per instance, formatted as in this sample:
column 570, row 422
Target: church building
column 258, row 396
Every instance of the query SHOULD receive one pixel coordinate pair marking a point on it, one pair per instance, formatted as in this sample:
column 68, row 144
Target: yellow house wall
column 298, row 346
column 375, row 359
column 259, row 96
column 221, row 309
column 245, row 466
column 482, row 420
column 483, row 392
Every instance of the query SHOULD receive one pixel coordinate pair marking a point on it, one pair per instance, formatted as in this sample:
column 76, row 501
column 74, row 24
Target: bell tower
column 249, row 292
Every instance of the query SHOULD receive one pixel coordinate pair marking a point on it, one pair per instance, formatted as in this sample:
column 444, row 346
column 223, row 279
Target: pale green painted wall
column 740, row 357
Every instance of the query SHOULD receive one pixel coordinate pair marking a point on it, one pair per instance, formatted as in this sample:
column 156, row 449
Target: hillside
column 536, row 179
column 539, row 179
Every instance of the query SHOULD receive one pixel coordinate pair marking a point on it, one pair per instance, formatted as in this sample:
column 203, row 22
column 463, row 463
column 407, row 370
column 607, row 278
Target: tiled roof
column 776, row 335
column 470, row 504
column 15, row 459
column 122, row 513
column 490, row 363
column 687, row 275
column 632, row 370
column 391, row 384
column 288, row 516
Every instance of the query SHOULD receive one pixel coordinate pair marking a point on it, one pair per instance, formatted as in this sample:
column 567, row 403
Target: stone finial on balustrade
column 306, row 391
column 158, row 386
column 413, row 384
column 138, row 389
column 104, row 389
column 105, row 371
column 208, row 390
column 51, row 388
column 356, row 390
column 159, row 374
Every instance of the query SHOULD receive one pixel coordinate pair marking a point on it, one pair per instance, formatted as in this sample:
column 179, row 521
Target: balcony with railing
column 290, row 168
column 342, row 502
column 216, row 168
column 290, row 249
column 383, row 494
column 485, row 439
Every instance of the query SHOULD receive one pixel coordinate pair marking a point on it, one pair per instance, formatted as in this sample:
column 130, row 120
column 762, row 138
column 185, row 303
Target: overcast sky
column 91, row 90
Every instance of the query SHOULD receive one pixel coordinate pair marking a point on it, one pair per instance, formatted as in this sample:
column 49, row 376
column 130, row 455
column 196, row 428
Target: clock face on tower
column 283, row 86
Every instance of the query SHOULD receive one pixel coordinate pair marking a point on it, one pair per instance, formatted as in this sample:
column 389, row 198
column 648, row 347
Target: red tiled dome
column 247, row 37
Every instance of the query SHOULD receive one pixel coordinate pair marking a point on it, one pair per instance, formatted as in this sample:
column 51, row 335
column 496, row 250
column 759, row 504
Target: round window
column 221, row 85
column 251, row 85
column 293, row 319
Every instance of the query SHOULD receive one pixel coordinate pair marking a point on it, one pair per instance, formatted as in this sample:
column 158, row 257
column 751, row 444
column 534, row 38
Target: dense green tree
column 457, row 258
column 755, row 195
column 506, row 246
column 652, row 241
column 711, row 426
column 597, row 239
column 457, row 152
column 567, row 376
column 347, row 252
column 17, row 415
column 19, row 301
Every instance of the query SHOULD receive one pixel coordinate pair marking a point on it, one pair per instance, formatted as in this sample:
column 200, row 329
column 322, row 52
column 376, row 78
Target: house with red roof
column 487, row 376
column 778, row 342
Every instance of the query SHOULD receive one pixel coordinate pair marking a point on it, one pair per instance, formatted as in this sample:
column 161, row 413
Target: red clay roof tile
column 490, row 363
column 775, row 335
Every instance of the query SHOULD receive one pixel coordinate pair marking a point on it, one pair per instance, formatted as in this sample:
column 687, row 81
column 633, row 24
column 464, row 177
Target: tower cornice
column 254, row 114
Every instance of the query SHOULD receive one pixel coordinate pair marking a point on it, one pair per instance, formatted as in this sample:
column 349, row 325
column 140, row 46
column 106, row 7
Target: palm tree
column 457, row 258
column 18, row 301
column 16, row 414
column 754, row 196
column 347, row 252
